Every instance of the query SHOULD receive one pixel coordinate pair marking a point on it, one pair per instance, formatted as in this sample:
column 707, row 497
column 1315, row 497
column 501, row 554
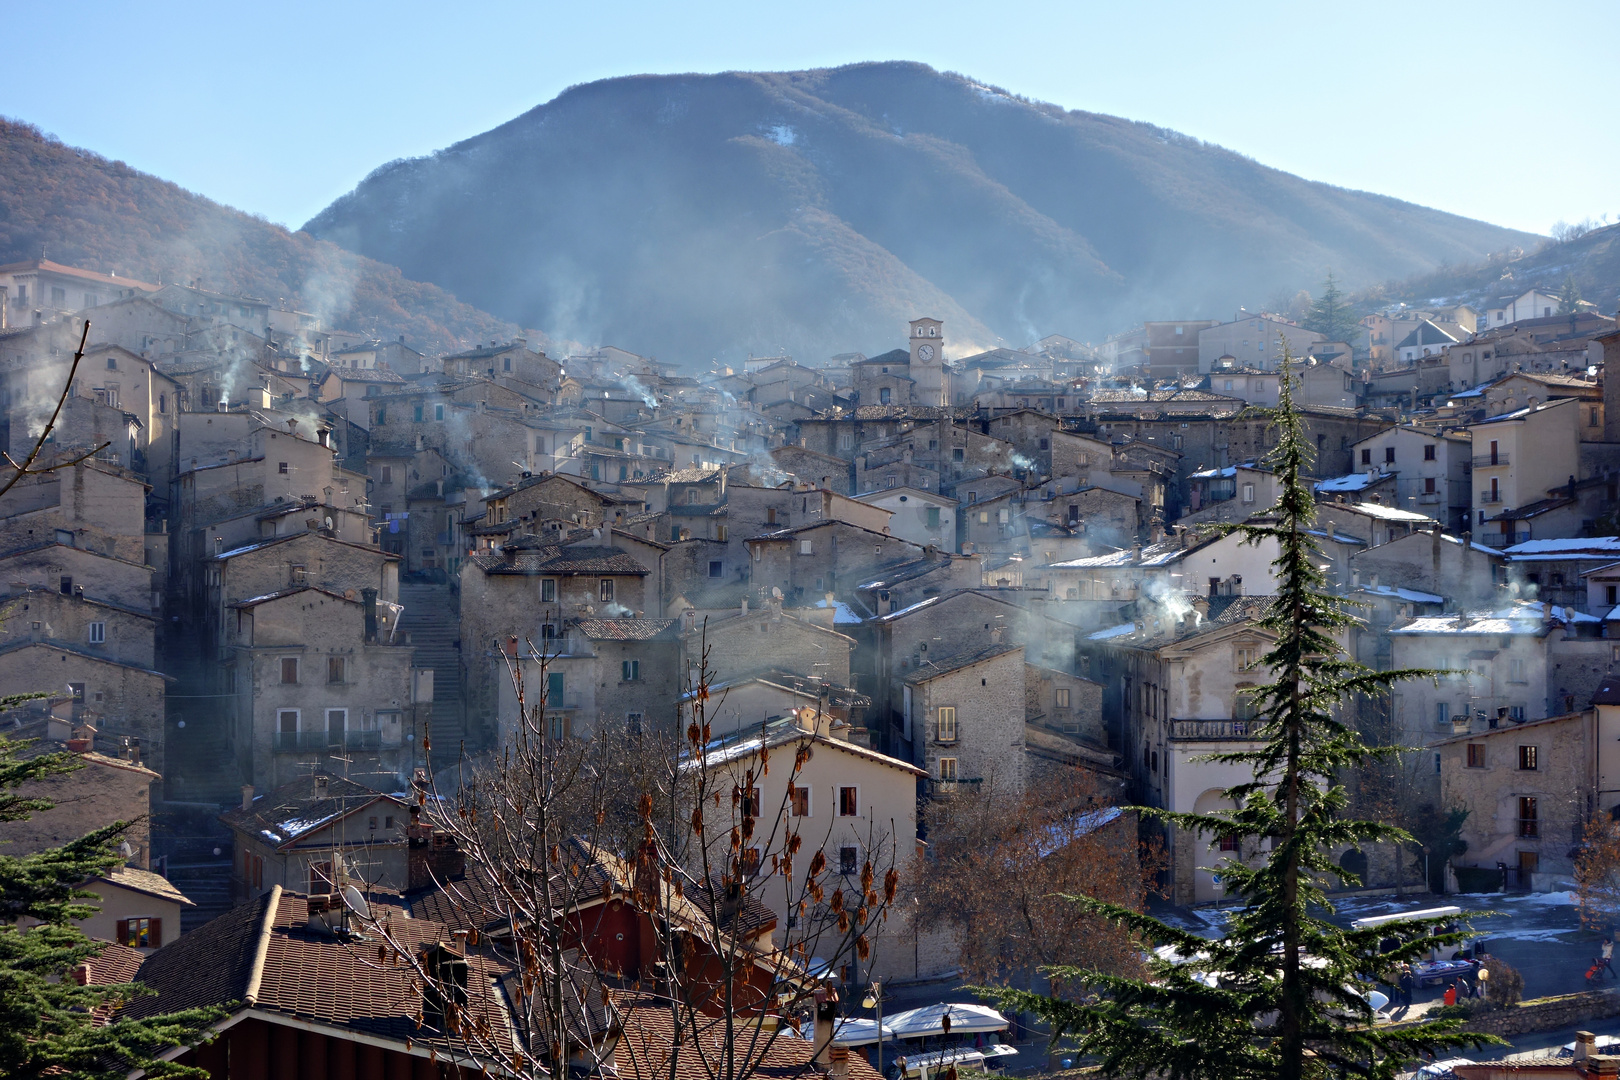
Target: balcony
column 288, row 741
column 1490, row 461
column 1488, row 496
column 1215, row 730
column 944, row 789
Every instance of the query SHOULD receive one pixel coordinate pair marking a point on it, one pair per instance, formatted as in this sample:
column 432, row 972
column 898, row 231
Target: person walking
column 1451, row 994
column 1607, row 953
column 1406, row 983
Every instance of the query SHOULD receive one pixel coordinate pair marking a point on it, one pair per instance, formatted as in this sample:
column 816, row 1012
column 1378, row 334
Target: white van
column 1454, row 951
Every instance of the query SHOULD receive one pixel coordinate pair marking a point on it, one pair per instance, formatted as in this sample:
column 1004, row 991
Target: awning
column 929, row 1020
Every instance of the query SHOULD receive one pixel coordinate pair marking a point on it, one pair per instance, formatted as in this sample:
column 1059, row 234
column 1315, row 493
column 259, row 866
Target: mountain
column 1592, row 259
column 81, row 209
column 699, row 216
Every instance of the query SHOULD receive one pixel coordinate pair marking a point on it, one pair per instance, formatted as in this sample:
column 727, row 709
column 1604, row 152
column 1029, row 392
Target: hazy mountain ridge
column 1593, row 260
column 692, row 216
column 84, row 210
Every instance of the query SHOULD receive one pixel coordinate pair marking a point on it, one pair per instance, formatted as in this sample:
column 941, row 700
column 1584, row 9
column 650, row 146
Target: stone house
column 944, row 450
column 847, row 800
column 291, row 562
column 1186, row 564
column 1551, row 569
column 873, row 476
column 119, row 699
column 918, row 516
column 825, row 556
column 993, row 522
column 1372, row 523
column 295, row 835
column 1173, row 697
column 1526, row 661
column 113, row 785
column 816, row 469
column 963, row 718
column 1102, row 515
column 1522, row 455
column 352, row 382
column 598, row 676
column 748, row 700
column 903, row 584
column 80, row 621
column 90, row 505
column 59, row 566
column 1432, row 470
column 1064, row 702
column 1529, row 790
column 136, row 908
column 514, row 359
column 528, row 590
column 764, row 639
column 315, row 675
column 1465, row 572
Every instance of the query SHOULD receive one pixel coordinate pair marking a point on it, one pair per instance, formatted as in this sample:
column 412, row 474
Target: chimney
column 826, row 1018
column 247, row 797
column 838, row 1062
column 368, row 599
column 322, row 785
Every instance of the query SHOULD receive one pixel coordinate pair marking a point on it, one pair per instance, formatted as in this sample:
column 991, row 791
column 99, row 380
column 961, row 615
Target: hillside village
column 286, row 583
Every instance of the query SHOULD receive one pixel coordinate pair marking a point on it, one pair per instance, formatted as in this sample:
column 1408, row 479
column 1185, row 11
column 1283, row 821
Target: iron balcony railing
column 1489, row 496
column 1211, row 730
column 1486, row 461
column 327, row 740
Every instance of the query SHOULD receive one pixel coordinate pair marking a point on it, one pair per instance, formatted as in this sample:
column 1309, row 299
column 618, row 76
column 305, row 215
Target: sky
column 1495, row 111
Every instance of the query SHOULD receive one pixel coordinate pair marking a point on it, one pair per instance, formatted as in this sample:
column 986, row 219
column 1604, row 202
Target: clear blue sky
column 1498, row 111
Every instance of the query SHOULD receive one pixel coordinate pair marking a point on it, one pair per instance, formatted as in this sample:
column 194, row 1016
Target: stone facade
column 982, row 741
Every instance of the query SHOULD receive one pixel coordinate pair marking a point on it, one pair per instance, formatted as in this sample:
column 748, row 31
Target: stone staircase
column 206, row 884
column 433, row 620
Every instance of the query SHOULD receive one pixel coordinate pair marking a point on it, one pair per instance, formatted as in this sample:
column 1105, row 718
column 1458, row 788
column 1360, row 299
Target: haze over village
column 709, row 621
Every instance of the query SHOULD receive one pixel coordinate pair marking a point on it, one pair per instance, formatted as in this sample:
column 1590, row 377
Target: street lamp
column 874, row 1000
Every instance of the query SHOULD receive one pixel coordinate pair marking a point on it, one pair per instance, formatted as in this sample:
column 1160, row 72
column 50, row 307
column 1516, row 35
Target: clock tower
column 928, row 363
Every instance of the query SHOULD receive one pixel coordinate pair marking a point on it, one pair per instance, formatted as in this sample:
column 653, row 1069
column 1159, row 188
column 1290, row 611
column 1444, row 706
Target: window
column 1428, row 452
column 320, row 878
column 281, row 467
column 1428, row 485
column 388, row 472
column 716, row 568
column 750, row 861
column 337, row 722
column 77, row 690
column 1247, row 657
column 1529, row 824
column 141, row 933
column 849, row 861
column 98, row 633
column 807, row 547
column 984, row 517
column 1516, row 671
column 947, row 723
column 1366, row 455
column 607, row 590
column 554, row 689
column 933, row 517
column 1060, row 698
column 287, row 721
column 1389, row 455
column 1248, row 493
column 801, row 802
column 958, row 454
column 947, row 769
column 334, row 669
column 849, row 802
column 548, row 590
column 289, row 669
column 632, row 724
column 1527, row 758
column 66, row 585
column 883, row 395
column 630, row 670
column 416, row 415
column 1228, row 843
column 562, row 726
column 438, row 412
column 1476, row 755
column 1442, row 713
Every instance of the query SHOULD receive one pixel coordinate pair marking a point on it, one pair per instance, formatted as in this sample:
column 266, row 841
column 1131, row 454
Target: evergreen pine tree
column 1331, row 314
column 49, row 1024
column 1276, row 996
column 1569, row 295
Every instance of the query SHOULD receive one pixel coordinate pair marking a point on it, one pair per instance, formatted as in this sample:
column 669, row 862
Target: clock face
column 925, row 352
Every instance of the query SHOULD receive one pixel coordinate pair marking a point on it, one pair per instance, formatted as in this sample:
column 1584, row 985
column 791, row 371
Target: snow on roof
column 1351, row 482
column 843, row 614
column 965, row 1019
column 1112, row 632
column 1412, row 595
column 1588, row 547
column 1387, row 513
column 1522, row 617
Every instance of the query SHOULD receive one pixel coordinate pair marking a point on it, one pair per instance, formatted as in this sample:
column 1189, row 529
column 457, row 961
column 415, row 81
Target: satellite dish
column 355, row 902
column 776, row 593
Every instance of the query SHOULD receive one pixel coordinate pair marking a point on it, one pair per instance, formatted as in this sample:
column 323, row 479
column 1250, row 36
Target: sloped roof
column 933, row 669
column 551, row 559
column 628, row 629
column 144, row 881
column 294, row 810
